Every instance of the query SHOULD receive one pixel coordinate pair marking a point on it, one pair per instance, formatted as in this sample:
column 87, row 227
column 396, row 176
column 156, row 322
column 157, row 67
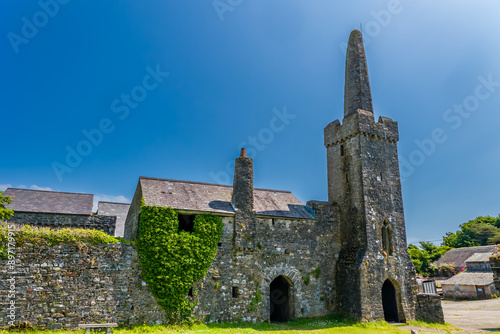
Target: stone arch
column 280, row 299
column 391, row 301
column 292, row 276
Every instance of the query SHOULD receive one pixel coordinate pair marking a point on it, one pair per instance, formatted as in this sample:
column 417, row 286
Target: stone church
column 279, row 259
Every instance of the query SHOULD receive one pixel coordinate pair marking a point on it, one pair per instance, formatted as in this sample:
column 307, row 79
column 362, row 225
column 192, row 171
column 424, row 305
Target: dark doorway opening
column 186, row 222
column 389, row 302
column 280, row 299
column 481, row 294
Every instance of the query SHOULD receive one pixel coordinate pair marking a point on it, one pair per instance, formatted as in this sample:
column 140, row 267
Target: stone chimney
column 243, row 183
column 242, row 201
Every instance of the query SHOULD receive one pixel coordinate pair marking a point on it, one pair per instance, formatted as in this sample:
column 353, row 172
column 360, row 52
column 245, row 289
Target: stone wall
column 466, row 291
column 56, row 220
column 495, row 267
column 429, row 308
column 291, row 248
column 64, row 285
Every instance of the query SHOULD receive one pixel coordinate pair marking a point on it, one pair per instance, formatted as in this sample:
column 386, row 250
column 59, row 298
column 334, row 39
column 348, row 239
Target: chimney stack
column 243, row 183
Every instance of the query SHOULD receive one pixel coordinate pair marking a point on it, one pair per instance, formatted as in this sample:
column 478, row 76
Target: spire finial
column 243, row 153
column 357, row 93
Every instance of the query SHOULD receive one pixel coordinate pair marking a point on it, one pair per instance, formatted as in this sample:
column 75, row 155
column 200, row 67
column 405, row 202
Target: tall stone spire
column 357, row 93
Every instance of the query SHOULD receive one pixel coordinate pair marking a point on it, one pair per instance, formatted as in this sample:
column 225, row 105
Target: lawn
column 324, row 325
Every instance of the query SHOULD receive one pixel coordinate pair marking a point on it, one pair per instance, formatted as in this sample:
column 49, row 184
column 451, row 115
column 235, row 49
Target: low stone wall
column 429, row 308
column 64, row 285
column 495, row 267
column 56, row 220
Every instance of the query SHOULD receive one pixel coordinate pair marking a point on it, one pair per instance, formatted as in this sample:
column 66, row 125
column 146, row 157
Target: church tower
column 375, row 278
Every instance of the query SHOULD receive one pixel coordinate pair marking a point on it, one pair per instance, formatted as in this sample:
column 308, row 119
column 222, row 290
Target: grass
column 324, row 325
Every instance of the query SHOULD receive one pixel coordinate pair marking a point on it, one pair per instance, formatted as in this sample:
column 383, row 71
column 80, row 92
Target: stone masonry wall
column 429, row 308
column 303, row 251
column 64, row 285
column 56, row 220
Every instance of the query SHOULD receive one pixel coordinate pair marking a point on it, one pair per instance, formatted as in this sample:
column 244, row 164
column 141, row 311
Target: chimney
column 243, row 183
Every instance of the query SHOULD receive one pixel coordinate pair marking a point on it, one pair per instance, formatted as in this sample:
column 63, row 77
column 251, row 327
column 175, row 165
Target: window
column 190, row 293
column 186, row 222
column 386, row 238
column 342, row 150
column 236, row 292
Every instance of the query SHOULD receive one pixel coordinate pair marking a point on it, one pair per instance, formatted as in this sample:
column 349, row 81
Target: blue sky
column 172, row 89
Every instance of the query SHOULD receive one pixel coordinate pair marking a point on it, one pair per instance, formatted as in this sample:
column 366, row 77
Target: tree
column 478, row 232
column 423, row 257
column 4, row 212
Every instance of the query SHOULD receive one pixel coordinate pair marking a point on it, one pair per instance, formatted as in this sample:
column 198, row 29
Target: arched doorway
column 280, row 299
column 389, row 302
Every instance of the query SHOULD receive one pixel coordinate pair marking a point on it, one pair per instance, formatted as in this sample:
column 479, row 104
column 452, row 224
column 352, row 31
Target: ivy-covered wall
column 172, row 260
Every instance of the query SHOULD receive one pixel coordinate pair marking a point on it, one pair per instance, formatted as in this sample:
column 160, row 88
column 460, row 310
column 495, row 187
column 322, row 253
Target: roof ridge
column 113, row 202
column 50, row 191
column 209, row 184
column 472, row 247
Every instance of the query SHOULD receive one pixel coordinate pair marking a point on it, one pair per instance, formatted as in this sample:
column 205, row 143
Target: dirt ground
column 474, row 316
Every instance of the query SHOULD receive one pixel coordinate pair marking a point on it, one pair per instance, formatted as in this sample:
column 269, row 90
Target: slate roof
column 470, row 278
column 27, row 200
column 458, row 256
column 120, row 210
column 216, row 198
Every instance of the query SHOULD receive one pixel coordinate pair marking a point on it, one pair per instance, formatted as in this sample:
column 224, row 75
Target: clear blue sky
column 232, row 67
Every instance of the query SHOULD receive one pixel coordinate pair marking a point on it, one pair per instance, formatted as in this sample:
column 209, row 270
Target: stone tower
column 375, row 277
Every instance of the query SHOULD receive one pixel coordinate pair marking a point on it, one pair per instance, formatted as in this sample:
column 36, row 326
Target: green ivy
column 172, row 260
column 256, row 299
column 316, row 272
column 47, row 236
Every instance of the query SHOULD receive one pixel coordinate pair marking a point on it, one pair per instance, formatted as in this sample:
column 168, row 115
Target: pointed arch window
column 387, row 238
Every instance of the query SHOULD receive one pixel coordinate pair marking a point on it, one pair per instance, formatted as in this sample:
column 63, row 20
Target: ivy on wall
column 172, row 260
column 45, row 236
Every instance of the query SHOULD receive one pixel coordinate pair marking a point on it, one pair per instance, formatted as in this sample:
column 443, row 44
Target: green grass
column 325, row 325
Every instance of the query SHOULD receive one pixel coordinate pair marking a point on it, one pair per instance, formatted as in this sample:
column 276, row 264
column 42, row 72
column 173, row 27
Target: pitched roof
column 470, row 278
column 28, row 200
column 479, row 257
column 458, row 256
column 120, row 210
column 216, row 198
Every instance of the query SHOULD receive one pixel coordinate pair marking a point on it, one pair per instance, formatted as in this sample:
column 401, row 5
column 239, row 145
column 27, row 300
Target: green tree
column 478, row 232
column 423, row 256
column 4, row 212
column 494, row 240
